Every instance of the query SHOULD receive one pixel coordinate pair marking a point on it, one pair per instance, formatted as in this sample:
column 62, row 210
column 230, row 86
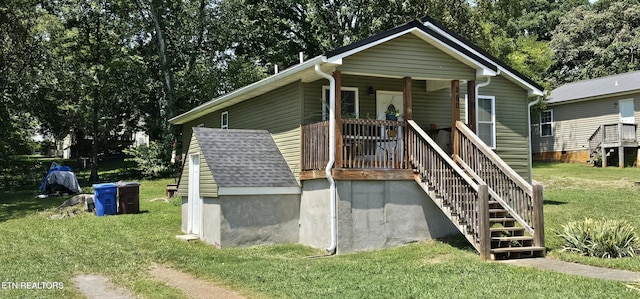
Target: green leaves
column 600, row 238
column 596, row 41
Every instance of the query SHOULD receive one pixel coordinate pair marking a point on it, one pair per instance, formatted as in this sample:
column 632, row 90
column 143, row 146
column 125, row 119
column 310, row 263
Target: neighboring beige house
column 430, row 138
column 587, row 118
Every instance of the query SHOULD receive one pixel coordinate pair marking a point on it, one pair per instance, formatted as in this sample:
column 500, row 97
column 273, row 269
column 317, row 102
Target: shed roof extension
column 244, row 158
column 596, row 88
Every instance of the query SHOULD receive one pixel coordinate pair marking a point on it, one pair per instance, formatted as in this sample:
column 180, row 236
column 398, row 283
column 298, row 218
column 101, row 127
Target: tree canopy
column 104, row 69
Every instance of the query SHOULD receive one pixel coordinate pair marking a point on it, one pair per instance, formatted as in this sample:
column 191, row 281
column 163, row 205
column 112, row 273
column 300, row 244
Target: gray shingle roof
column 620, row 83
column 244, row 158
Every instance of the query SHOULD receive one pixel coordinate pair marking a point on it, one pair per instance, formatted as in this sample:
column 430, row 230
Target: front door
column 194, row 202
column 389, row 106
column 627, row 111
column 386, row 101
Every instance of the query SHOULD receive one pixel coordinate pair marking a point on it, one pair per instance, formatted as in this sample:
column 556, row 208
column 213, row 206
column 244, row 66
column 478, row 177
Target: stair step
column 517, row 249
column 501, row 219
column 497, row 210
column 516, row 238
column 511, row 228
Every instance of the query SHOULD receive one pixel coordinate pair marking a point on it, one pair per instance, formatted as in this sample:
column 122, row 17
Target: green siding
column 574, row 123
column 278, row 111
column 208, row 186
column 312, row 97
column 407, row 56
column 511, row 123
column 432, row 107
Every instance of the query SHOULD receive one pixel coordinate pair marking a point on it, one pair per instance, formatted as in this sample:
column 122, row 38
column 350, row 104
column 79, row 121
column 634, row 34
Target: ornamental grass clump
column 600, row 238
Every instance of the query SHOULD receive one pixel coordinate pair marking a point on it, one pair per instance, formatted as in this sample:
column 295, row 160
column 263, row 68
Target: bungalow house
column 592, row 120
column 411, row 134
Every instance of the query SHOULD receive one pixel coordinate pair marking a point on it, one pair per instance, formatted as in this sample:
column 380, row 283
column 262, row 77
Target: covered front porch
column 371, row 133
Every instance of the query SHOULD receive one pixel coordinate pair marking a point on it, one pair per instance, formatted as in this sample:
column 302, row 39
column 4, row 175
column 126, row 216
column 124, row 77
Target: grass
column 574, row 192
column 124, row 247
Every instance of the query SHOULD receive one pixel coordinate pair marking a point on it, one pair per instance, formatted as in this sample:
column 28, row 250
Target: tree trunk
column 94, row 178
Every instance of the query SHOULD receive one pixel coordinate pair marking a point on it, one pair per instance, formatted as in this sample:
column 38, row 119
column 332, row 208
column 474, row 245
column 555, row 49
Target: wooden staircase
column 508, row 239
column 496, row 217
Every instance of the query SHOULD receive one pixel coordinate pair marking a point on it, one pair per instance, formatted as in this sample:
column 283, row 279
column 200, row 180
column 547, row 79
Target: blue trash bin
column 105, row 198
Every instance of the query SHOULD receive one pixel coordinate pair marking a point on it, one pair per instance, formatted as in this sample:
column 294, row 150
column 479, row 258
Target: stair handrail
column 473, row 209
column 525, row 207
column 595, row 140
column 442, row 153
column 497, row 161
column 497, row 197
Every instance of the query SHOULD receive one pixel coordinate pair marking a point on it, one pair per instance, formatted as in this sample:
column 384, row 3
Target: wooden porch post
column 471, row 104
column 621, row 147
column 406, row 97
column 538, row 216
column 484, row 225
column 338, row 77
column 408, row 115
column 455, row 112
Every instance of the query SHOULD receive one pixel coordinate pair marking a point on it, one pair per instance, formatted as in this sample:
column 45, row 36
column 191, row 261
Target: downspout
column 332, row 157
column 530, row 137
column 483, row 84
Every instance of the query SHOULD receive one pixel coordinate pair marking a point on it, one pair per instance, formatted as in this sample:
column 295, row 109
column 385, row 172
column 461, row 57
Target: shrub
column 600, row 238
column 154, row 160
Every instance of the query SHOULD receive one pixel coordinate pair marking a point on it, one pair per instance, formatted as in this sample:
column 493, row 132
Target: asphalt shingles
column 244, row 158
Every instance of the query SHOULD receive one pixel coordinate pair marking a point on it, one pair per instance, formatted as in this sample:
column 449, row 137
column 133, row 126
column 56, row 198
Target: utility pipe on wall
column 332, row 158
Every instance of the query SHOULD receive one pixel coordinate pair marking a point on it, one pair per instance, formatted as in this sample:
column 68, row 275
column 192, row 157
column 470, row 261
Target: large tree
column 20, row 54
column 597, row 40
column 272, row 33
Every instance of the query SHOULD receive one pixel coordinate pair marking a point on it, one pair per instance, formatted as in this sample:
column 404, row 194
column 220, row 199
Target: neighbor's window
column 350, row 105
column 546, row 123
column 224, row 120
column 486, row 119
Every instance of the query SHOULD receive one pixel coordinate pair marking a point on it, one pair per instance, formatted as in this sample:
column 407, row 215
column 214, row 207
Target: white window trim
column 325, row 101
column 493, row 117
column 550, row 123
column 223, row 116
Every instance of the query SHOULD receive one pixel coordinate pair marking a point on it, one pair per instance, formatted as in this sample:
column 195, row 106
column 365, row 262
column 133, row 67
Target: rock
column 76, row 200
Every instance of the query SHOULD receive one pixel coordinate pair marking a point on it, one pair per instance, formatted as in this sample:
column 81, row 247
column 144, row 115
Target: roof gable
column 596, row 88
column 244, row 158
column 408, row 55
column 420, row 30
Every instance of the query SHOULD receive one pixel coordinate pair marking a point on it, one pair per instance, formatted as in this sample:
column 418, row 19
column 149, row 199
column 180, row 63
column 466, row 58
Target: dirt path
column 190, row 286
column 99, row 287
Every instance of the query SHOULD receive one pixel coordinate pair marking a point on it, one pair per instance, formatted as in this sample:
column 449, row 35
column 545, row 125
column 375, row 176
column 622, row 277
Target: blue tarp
column 60, row 177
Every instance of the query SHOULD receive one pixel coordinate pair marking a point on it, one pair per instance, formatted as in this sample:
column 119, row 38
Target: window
column 486, row 128
column 627, row 111
column 224, row 120
column 350, row 105
column 546, row 123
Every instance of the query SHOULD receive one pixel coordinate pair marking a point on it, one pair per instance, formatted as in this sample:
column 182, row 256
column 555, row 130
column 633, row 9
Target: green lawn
column 577, row 191
column 123, row 247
